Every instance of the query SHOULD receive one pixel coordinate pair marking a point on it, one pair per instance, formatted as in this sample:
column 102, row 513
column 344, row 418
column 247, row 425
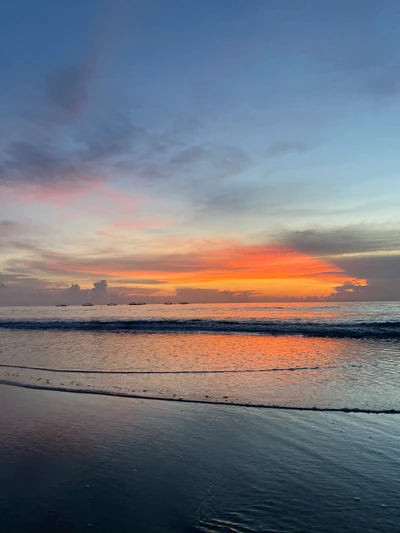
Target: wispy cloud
column 69, row 87
column 282, row 148
column 345, row 240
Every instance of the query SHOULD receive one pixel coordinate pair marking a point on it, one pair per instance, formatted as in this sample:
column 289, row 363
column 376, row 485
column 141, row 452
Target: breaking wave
column 356, row 330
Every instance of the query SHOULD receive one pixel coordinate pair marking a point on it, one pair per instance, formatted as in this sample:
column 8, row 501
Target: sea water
column 295, row 355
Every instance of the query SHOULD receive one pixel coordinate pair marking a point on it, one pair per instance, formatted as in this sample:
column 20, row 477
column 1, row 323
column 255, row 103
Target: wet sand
column 74, row 463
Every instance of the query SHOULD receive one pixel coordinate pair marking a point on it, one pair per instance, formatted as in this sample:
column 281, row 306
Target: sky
column 213, row 151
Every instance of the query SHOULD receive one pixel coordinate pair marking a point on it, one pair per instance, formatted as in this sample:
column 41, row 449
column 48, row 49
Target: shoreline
column 349, row 410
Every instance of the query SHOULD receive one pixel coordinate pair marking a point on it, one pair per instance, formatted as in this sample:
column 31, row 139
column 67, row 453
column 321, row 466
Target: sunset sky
column 213, row 150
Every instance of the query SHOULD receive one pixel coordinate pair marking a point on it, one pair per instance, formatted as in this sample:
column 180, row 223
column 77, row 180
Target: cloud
column 369, row 256
column 9, row 228
column 360, row 277
column 282, row 148
column 194, row 295
column 99, row 291
column 20, row 289
column 189, row 156
column 75, row 295
column 73, row 290
column 111, row 140
column 371, row 267
column 100, row 286
column 219, row 161
column 374, row 290
column 24, row 290
column 68, row 87
column 201, row 262
column 346, row 240
column 38, row 163
column 44, row 154
column 126, row 226
column 58, row 160
column 267, row 199
column 46, row 158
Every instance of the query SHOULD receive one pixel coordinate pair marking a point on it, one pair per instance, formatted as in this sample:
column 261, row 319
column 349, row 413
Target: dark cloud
column 36, row 163
column 69, row 87
column 44, row 150
column 221, row 161
column 20, row 289
column 24, row 290
column 113, row 146
column 186, row 171
column 371, row 267
column 100, row 287
column 370, row 256
column 73, row 295
column 189, row 156
column 281, row 148
column 39, row 258
column 375, row 290
column 212, row 295
column 113, row 139
column 347, row 240
column 9, row 228
column 74, row 289
column 88, row 153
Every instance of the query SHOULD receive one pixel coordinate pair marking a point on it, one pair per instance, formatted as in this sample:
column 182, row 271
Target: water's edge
column 206, row 402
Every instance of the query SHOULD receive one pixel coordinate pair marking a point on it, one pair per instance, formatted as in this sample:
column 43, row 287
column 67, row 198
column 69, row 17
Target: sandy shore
column 74, row 463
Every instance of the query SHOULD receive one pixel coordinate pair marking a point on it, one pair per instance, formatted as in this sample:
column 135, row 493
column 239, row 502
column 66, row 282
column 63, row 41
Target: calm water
column 338, row 356
column 73, row 463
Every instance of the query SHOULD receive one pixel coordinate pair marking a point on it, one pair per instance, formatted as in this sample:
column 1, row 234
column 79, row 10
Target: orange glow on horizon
column 270, row 269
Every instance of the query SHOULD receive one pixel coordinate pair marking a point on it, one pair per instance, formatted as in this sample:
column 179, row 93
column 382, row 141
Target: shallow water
column 72, row 463
column 346, row 357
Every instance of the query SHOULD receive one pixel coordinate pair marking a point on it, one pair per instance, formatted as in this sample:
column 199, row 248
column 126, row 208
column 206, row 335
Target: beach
column 72, row 462
column 199, row 266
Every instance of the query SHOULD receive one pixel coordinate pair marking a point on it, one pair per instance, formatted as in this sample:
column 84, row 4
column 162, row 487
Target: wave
column 379, row 330
column 207, row 402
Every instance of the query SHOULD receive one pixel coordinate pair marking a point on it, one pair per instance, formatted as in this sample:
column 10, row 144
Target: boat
column 137, row 303
column 87, row 305
column 112, row 303
column 61, row 305
column 168, row 303
column 183, row 303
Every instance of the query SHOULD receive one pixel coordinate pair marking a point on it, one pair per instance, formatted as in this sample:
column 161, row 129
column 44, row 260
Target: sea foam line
column 226, row 371
column 206, row 402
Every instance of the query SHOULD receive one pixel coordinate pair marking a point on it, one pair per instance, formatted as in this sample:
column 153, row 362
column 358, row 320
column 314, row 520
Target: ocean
column 303, row 356
column 225, row 418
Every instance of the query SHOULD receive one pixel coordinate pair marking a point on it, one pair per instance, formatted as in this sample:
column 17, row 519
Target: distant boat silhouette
column 61, row 305
column 87, row 305
column 168, row 303
column 112, row 303
column 137, row 303
column 183, row 303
